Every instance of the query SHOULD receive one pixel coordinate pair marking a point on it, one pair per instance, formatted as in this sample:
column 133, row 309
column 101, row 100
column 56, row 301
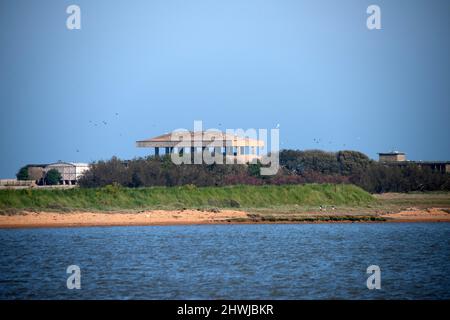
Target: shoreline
column 25, row 220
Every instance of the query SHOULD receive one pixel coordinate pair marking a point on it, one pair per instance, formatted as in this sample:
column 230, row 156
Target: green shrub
column 52, row 177
column 23, row 174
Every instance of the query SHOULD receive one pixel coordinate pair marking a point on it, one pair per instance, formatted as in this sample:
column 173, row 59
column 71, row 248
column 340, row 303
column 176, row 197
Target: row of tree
column 296, row 167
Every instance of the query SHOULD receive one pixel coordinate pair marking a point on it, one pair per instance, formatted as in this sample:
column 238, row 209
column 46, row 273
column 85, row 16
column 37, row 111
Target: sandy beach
column 178, row 217
column 144, row 218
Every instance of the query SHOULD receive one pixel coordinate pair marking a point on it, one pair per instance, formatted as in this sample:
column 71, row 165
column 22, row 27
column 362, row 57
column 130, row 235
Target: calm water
column 325, row 261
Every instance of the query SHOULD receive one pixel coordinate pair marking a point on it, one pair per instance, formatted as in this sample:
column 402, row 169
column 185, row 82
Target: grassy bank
column 112, row 198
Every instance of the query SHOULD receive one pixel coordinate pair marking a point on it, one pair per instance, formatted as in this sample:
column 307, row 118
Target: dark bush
column 23, row 174
column 52, row 177
column 297, row 167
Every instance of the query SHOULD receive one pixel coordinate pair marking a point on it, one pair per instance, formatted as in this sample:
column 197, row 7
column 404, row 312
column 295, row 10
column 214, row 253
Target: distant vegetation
column 115, row 197
column 23, row 174
column 297, row 167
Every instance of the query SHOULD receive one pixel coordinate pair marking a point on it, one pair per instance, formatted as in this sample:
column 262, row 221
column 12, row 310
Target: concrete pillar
column 217, row 150
column 253, row 150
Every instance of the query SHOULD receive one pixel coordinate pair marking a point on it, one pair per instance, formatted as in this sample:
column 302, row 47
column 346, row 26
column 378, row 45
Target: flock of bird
column 315, row 140
column 96, row 124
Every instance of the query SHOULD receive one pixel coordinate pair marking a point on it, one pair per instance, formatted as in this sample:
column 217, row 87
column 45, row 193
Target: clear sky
column 137, row 69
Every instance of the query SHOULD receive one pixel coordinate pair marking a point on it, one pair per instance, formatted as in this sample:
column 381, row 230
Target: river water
column 270, row 261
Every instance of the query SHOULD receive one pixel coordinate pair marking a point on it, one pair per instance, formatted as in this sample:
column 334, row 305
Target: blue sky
column 137, row 69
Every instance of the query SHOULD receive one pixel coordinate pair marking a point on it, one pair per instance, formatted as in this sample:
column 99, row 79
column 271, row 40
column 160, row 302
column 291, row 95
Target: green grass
column 113, row 198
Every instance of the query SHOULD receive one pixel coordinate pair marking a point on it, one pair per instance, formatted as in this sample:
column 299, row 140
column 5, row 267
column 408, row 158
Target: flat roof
column 207, row 137
column 393, row 153
column 75, row 164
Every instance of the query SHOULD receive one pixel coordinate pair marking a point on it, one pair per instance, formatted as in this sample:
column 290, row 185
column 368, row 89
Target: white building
column 70, row 171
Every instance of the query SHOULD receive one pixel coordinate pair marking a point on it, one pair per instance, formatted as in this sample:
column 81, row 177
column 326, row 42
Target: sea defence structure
column 241, row 148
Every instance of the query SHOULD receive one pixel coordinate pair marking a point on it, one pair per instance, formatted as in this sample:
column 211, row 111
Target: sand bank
column 144, row 218
column 181, row 217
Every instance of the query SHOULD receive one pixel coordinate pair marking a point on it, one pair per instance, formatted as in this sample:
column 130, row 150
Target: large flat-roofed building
column 396, row 158
column 244, row 149
column 435, row 166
